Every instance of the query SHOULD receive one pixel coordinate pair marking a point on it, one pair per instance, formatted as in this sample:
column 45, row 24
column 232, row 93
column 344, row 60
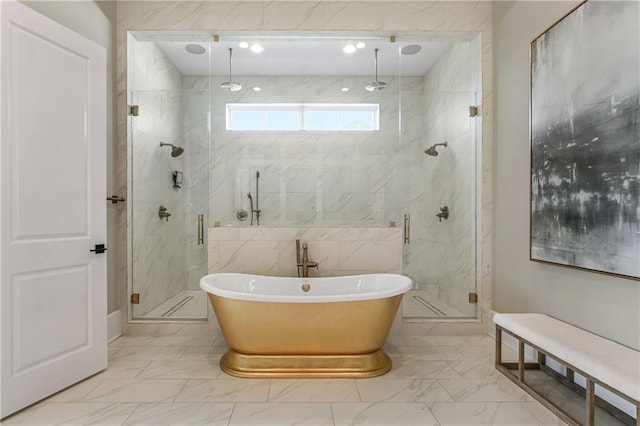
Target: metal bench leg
column 521, row 360
column 591, row 399
column 498, row 345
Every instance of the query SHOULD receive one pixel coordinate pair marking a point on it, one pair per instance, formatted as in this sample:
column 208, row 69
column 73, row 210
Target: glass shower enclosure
column 440, row 156
column 168, row 175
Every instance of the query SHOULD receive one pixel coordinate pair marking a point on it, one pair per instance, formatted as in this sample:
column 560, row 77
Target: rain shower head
column 176, row 151
column 376, row 85
column 230, row 85
column 432, row 151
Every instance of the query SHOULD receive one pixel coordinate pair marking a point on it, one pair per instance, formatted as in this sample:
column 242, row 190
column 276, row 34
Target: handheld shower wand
column 251, row 206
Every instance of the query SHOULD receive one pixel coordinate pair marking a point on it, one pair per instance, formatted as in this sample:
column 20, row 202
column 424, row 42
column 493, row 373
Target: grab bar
column 200, row 229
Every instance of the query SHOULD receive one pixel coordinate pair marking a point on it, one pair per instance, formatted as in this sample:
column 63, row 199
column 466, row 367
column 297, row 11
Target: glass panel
column 246, row 120
column 283, row 120
column 441, row 255
column 358, row 120
column 168, row 184
column 322, row 120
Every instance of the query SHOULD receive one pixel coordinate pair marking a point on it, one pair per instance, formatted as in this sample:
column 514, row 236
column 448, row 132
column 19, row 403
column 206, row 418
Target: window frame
column 302, row 109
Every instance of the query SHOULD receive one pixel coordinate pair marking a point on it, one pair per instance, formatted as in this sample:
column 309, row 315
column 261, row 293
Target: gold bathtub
column 335, row 329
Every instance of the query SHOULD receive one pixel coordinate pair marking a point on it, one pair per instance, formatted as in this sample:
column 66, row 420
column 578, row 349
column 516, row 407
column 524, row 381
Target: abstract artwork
column 585, row 140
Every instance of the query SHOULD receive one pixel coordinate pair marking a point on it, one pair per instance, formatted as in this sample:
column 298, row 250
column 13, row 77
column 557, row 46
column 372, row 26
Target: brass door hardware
column 473, row 297
column 200, row 229
column 134, row 110
column 473, row 111
column 135, row 299
column 115, row 199
column 407, row 228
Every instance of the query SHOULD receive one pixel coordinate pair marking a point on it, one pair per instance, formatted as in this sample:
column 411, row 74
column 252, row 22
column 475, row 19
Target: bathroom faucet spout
column 304, row 264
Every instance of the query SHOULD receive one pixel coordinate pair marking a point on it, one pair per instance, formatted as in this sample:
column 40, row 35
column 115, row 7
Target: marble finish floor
column 187, row 305
column 422, row 304
column 436, row 380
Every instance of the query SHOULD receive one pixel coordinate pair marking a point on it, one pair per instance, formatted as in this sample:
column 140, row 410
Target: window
column 299, row 117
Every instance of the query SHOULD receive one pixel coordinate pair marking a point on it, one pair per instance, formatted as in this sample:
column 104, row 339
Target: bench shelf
column 515, row 371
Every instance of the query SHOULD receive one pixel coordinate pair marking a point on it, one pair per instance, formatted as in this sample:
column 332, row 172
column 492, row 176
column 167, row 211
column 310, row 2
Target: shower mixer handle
column 444, row 213
column 162, row 213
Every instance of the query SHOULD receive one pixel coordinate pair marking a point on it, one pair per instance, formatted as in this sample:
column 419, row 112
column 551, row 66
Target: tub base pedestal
column 297, row 366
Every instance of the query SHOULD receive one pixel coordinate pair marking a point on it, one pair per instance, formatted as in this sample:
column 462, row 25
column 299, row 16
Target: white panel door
column 53, row 191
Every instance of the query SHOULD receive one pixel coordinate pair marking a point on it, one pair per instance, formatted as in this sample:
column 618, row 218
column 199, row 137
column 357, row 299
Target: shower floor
column 422, row 304
column 186, row 305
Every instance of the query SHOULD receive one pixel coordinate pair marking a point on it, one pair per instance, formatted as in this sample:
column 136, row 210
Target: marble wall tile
column 305, row 15
column 338, row 251
column 375, row 256
column 446, row 21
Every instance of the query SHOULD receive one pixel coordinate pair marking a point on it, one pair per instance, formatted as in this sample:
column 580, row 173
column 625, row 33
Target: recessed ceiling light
column 257, row 89
column 196, row 49
column 360, row 45
column 349, row 48
column 345, row 89
column 256, row 48
column 243, row 44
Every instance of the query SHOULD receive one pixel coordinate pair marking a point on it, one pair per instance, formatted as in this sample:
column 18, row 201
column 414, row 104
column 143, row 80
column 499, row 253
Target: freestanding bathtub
column 305, row 327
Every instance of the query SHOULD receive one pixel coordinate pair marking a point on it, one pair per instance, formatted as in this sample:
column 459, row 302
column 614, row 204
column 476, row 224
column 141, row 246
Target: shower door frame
column 200, row 36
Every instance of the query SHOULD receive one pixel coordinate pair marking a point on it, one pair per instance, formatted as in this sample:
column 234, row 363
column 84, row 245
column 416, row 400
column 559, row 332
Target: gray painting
column 585, row 140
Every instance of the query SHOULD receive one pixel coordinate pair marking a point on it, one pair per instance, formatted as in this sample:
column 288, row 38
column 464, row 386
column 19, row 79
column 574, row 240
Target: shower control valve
column 163, row 214
column 444, row 213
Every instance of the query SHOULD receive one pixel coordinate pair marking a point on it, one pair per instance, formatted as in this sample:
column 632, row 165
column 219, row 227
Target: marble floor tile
column 203, row 352
column 123, row 369
column 402, row 390
column 148, row 353
column 134, row 390
column 313, row 390
column 419, row 367
column 225, row 390
column 192, row 369
column 77, row 392
column 382, row 414
column 484, row 390
column 279, row 414
column 180, row 414
column 176, row 379
column 73, row 413
column 493, row 413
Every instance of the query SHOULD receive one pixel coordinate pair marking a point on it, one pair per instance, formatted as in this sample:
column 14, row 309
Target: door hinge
column 135, row 298
column 473, row 111
column 473, row 297
column 134, row 110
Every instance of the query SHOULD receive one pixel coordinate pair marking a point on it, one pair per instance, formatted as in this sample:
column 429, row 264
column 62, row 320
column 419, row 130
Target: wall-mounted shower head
column 176, row 151
column 432, row 149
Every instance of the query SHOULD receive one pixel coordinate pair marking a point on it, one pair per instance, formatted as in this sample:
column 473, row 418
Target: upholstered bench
column 600, row 361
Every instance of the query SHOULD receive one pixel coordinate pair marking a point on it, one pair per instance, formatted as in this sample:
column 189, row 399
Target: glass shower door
column 168, row 152
column 441, row 153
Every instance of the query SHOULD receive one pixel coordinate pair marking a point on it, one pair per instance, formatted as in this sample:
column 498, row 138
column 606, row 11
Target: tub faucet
column 304, row 263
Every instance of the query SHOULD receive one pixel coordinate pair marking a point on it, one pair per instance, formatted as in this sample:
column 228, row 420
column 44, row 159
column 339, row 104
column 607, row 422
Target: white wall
column 96, row 21
column 602, row 304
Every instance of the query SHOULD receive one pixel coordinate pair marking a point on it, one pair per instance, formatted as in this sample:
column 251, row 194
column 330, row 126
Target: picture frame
column 585, row 140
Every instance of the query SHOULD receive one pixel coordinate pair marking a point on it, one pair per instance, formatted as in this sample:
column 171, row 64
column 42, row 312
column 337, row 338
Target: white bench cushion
column 609, row 362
